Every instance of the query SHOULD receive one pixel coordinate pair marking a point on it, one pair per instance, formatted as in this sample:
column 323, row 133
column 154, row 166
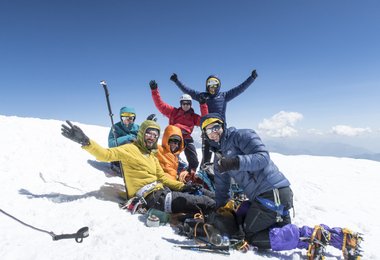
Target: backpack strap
column 275, row 205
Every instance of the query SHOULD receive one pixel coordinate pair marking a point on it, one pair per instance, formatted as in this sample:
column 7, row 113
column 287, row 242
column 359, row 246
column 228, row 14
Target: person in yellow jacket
column 168, row 152
column 143, row 174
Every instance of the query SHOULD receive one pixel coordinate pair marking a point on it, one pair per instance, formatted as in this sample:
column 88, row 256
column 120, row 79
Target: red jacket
column 177, row 116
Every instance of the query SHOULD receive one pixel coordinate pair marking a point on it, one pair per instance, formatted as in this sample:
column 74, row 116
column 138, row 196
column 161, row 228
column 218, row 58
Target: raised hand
column 74, row 133
column 153, row 84
column 174, row 77
column 202, row 99
column 254, row 74
column 152, row 117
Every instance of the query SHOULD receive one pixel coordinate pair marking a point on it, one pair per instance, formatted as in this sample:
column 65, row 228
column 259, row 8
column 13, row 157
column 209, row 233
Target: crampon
column 133, row 205
column 317, row 243
column 351, row 244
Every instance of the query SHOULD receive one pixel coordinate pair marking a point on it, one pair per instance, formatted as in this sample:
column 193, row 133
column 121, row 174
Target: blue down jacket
column 257, row 173
column 217, row 103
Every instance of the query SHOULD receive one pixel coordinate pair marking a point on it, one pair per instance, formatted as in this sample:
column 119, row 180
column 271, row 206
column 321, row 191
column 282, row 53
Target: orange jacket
column 167, row 159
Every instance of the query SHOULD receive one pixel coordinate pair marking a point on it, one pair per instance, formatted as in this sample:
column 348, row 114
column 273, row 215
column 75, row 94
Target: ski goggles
column 130, row 118
column 174, row 141
column 184, row 103
column 216, row 128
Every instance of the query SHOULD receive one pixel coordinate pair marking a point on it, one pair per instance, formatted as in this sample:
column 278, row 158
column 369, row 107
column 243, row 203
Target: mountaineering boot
column 318, row 241
column 351, row 244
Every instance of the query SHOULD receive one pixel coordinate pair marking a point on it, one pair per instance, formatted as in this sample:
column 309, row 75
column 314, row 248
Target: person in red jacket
column 184, row 118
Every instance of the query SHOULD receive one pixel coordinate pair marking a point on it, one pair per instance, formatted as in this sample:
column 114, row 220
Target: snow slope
column 49, row 182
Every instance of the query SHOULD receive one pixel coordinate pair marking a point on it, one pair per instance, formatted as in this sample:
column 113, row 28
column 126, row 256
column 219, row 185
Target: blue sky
column 318, row 61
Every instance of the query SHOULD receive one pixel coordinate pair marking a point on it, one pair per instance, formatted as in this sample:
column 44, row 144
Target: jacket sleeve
column 163, row 107
column 222, row 186
column 234, row 92
column 204, row 111
column 126, row 139
column 172, row 184
column 193, row 93
column 121, row 138
column 255, row 155
column 106, row 154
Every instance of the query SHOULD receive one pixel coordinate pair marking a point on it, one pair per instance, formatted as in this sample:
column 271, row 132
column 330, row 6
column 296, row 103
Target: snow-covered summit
column 51, row 183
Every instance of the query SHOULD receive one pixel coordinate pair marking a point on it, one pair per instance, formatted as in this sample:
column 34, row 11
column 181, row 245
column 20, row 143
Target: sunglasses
column 151, row 135
column 174, row 141
column 130, row 118
column 214, row 129
column 186, row 103
column 213, row 86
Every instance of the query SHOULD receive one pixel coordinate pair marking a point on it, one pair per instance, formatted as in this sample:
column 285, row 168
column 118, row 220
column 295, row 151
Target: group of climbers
column 151, row 171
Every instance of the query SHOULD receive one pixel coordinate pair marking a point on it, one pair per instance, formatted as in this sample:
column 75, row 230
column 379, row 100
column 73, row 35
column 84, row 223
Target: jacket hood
column 171, row 130
column 217, row 89
column 141, row 134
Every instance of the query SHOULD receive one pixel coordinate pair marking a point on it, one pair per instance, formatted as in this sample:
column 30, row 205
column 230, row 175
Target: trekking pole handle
column 81, row 233
column 104, row 84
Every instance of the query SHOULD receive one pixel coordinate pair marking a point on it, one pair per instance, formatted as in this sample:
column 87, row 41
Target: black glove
column 202, row 99
column 152, row 117
column 228, row 164
column 191, row 187
column 153, row 84
column 254, row 74
column 174, row 77
column 74, row 133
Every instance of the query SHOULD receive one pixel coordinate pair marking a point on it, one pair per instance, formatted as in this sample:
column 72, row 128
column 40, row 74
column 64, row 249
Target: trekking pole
column 104, row 84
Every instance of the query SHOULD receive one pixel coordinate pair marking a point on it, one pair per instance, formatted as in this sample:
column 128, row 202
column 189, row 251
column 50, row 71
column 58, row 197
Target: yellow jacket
column 169, row 160
column 140, row 165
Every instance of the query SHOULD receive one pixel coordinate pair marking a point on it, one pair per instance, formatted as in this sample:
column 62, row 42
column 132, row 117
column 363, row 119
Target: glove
column 182, row 176
column 174, row 77
column 228, row 164
column 74, row 133
column 202, row 99
column 153, row 84
column 191, row 187
column 152, row 117
column 254, row 74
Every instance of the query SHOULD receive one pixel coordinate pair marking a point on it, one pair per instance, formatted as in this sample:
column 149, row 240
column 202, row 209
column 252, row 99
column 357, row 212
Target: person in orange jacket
column 168, row 152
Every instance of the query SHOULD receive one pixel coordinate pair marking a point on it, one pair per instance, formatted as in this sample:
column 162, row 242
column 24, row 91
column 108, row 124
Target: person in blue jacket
column 216, row 100
column 241, row 155
column 125, row 131
column 264, row 218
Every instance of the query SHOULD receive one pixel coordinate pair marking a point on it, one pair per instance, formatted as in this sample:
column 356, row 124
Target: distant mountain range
column 321, row 149
column 309, row 148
